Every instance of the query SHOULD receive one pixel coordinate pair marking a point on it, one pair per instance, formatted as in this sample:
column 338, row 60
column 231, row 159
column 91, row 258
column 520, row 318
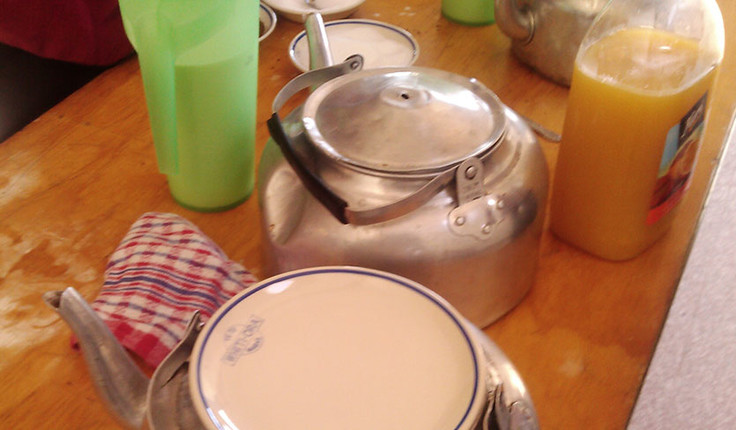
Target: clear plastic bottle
column 636, row 113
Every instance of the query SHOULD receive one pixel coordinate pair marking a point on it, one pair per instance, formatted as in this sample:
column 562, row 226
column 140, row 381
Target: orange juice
column 631, row 134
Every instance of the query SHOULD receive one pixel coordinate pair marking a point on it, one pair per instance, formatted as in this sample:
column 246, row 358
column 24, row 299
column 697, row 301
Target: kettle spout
column 119, row 381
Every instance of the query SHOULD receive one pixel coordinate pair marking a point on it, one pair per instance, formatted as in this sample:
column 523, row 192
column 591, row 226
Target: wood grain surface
column 73, row 181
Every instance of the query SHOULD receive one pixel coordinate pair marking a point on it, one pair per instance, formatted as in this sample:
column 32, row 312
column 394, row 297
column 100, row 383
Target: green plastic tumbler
column 199, row 62
column 469, row 12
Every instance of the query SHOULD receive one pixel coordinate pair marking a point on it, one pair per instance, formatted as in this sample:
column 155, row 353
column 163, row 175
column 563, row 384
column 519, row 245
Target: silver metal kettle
column 165, row 402
column 414, row 171
column 546, row 34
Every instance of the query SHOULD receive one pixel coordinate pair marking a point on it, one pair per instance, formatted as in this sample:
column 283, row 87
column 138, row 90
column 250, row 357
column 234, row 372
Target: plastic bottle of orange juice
column 636, row 112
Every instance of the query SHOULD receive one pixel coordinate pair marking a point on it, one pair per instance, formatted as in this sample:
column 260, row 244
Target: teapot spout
column 119, row 381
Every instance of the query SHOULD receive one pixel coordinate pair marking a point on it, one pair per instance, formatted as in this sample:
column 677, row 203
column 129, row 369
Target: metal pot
column 546, row 34
column 414, row 171
column 208, row 378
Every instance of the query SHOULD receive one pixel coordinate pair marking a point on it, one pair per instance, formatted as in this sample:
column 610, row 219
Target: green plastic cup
column 199, row 62
column 469, row 12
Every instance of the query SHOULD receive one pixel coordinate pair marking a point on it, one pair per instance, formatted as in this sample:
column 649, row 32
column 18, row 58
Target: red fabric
column 87, row 32
column 164, row 269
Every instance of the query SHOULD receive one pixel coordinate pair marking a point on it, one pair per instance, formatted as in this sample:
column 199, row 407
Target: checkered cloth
column 164, row 269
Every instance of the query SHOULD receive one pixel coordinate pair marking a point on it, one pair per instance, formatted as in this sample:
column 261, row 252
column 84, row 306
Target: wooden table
column 73, row 182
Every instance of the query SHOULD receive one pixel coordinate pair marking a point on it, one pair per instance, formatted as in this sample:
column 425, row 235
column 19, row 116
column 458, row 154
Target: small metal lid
column 403, row 121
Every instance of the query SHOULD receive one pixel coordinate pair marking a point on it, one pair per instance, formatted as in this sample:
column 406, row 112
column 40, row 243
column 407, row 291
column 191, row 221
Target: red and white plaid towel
column 164, row 269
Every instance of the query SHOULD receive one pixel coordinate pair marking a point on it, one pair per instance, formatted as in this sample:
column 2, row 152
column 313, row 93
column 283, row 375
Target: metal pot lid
column 403, row 121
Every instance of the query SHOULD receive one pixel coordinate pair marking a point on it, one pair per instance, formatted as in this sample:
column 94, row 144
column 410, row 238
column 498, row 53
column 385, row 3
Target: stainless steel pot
column 168, row 400
column 414, row 171
column 546, row 34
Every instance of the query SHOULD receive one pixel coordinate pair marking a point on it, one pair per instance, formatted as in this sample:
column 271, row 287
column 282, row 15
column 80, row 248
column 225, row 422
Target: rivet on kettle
column 470, row 172
column 486, row 228
column 460, row 220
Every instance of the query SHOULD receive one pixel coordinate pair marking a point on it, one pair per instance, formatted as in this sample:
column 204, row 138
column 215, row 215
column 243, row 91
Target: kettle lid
column 403, row 121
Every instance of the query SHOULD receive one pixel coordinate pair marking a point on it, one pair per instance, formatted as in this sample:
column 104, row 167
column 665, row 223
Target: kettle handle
column 314, row 184
column 516, row 19
column 337, row 206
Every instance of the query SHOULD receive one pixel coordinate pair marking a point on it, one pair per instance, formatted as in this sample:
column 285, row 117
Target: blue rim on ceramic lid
column 335, row 348
column 380, row 44
column 297, row 10
column 267, row 18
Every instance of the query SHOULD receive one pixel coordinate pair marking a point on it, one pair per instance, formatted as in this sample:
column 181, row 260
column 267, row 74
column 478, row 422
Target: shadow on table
column 31, row 85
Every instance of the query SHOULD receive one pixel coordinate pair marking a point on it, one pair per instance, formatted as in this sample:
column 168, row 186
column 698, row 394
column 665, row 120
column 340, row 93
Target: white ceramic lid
column 337, row 348
column 267, row 19
column 297, row 10
column 380, row 44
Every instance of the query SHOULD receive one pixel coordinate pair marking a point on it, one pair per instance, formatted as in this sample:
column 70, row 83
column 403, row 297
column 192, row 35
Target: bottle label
column 678, row 161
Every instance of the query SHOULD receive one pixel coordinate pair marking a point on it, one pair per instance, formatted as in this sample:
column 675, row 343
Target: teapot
column 210, row 359
column 410, row 170
column 163, row 402
column 546, row 34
